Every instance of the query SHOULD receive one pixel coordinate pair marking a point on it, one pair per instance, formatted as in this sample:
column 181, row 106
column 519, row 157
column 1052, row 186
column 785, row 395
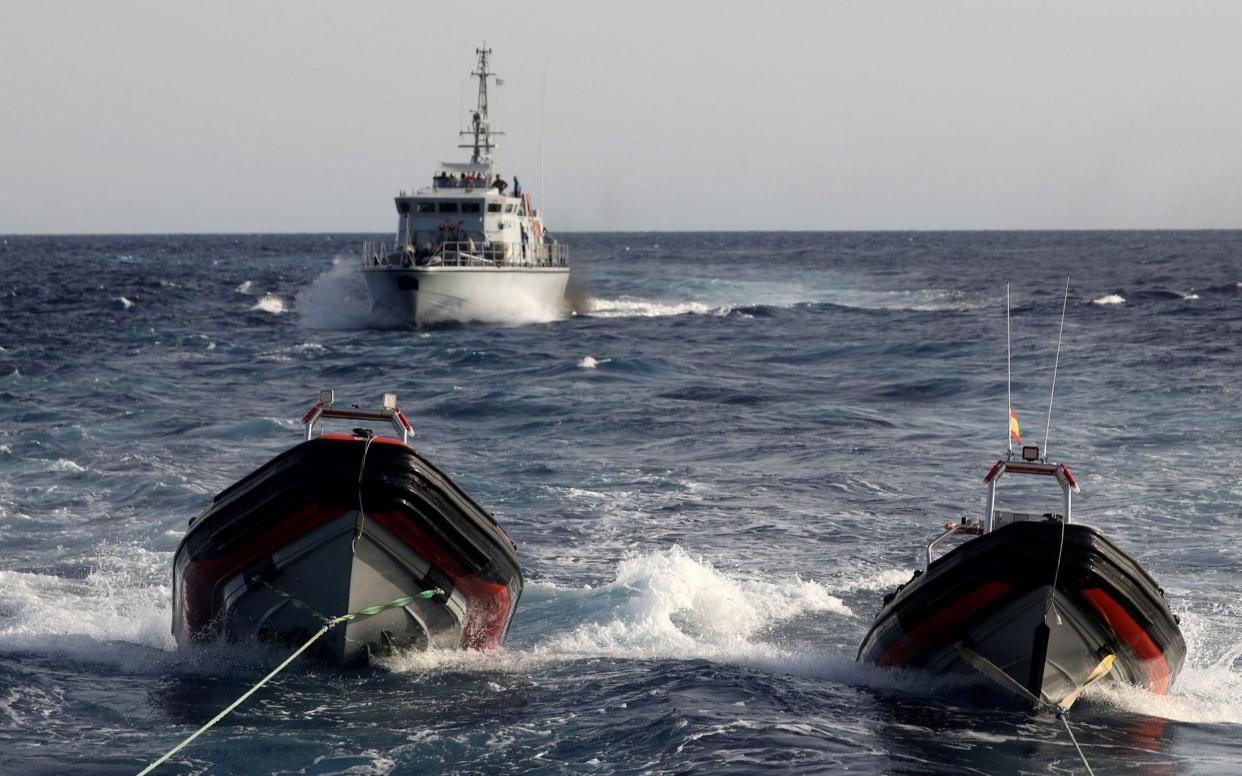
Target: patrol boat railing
column 465, row 254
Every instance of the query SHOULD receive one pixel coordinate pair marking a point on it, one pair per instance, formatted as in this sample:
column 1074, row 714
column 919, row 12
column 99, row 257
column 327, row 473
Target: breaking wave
column 1110, row 299
column 124, row 597
column 664, row 604
column 639, row 308
column 270, row 303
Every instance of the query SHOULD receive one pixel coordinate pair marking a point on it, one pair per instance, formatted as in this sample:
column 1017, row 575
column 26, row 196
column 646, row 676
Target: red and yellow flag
column 1014, row 433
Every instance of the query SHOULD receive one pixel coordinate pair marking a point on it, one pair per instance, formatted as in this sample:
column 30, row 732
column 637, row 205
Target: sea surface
column 715, row 462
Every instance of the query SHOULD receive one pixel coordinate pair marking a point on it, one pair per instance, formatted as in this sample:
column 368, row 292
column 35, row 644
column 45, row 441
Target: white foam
column 1200, row 695
column 31, row 706
column 66, row 465
column 663, row 604
column 123, row 303
column 640, row 308
column 125, row 598
column 244, row 287
column 590, row 362
column 887, row 579
column 1110, row 299
column 270, row 303
column 337, row 299
column 1190, row 297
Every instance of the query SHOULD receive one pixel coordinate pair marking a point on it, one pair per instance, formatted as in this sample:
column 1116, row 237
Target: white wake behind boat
column 471, row 246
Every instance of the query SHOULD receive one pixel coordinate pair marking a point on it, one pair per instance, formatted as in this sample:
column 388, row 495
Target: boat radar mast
column 480, row 126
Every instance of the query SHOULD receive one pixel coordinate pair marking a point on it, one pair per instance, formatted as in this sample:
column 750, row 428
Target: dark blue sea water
column 714, row 469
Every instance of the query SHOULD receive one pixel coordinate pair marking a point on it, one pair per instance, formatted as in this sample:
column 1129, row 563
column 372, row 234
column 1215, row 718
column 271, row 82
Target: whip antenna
column 543, row 108
column 1008, row 375
column 1055, row 364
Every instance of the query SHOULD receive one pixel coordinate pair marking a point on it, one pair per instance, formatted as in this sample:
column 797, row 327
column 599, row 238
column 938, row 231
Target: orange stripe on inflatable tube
column 203, row 577
column 489, row 602
column 935, row 626
column 1134, row 636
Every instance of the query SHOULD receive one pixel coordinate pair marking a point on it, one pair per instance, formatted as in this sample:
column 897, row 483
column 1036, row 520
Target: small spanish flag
column 1014, row 433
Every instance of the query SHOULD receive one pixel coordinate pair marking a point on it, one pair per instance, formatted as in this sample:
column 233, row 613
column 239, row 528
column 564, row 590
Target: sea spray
column 336, row 299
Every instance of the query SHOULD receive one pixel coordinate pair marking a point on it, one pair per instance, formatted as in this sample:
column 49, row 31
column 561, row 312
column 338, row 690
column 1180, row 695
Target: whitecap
column 1110, row 299
column 63, row 465
column 122, row 303
column 639, row 308
column 590, row 362
column 887, row 579
column 244, row 287
column 270, row 303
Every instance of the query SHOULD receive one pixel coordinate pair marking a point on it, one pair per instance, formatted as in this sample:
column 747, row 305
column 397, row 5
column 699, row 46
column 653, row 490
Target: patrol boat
column 469, row 246
column 340, row 523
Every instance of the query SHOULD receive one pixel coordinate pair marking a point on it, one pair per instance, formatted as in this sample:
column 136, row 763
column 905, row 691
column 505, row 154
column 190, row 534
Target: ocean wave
column 59, row 465
column 270, row 303
column 928, row 300
column 253, row 427
column 924, row 390
column 664, row 604
column 639, row 308
column 124, row 597
column 1110, row 299
column 1223, row 289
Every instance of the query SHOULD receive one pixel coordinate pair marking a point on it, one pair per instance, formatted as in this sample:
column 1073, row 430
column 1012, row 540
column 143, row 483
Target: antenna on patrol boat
column 1052, row 393
column 543, row 108
column 1008, row 377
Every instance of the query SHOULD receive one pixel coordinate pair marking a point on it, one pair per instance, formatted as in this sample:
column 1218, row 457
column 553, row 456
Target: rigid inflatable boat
column 337, row 524
column 1040, row 605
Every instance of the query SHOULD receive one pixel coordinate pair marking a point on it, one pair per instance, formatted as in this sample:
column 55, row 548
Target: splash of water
column 124, row 598
column 336, row 300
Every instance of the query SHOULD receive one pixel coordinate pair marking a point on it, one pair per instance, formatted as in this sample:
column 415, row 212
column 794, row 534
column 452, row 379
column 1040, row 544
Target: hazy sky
column 169, row 116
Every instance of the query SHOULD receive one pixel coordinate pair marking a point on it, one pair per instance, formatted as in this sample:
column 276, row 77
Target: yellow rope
column 1065, row 720
column 328, row 625
column 237, row 702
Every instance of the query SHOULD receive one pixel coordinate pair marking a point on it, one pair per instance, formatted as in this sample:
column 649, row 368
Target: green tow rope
column 329, row 624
